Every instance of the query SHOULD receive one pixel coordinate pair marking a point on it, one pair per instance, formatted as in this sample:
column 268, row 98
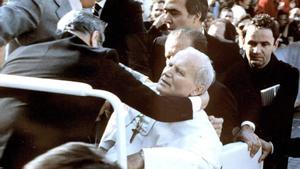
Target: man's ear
column 244, row 40
column 198, row 91
column 95, row 39
column 197, row 17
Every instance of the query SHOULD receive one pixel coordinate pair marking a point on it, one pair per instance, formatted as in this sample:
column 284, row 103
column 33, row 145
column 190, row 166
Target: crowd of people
column 193, row 74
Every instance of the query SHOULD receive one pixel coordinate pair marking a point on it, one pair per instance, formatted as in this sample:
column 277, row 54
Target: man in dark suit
column 33, row 122
column 25, row 22
column 270, row 117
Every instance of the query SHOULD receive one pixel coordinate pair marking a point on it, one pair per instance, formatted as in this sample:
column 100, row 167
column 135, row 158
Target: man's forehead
column 174, row 44
column 259, row 35
column 173, row 4
column 186, row 57
column 253, row 30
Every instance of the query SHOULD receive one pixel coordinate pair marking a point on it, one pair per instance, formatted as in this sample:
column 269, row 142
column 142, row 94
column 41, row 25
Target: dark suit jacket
column 41, row 121
column 274, row 121
column 223, row 104
column 25, row 22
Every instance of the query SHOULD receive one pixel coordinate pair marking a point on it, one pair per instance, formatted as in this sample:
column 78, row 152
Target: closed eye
column 178, row 70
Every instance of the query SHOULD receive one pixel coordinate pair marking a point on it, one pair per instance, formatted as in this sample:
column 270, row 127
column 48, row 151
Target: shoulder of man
column 286, row 68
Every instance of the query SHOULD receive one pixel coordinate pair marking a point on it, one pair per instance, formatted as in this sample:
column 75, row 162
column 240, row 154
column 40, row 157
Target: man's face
column 245, row 3
column 177, row 15
column 87, row 3
column 157, row 10
column 178, row 77
column 259, row 45
column 174, row 44
column 283, row 19
column 226, row 14
column 217, row 30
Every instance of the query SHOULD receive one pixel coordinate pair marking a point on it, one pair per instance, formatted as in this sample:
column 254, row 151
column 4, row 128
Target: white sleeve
column 175, row 158
column 196, row 103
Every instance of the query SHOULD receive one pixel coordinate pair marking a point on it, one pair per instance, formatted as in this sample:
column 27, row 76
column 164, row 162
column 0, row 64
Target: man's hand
column 135, row 161
column 247, row 135
column 266, row 150
column 217, row 124
column 160, row 21
column 106, row 109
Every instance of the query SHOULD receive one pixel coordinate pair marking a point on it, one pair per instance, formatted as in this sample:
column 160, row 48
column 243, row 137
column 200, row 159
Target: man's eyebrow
column 171, row 10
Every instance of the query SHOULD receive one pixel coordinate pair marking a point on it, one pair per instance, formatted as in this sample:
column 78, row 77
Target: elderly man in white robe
column 192, row 144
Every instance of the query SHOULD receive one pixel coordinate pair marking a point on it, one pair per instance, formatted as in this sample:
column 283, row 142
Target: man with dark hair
column 266, row 89
column 35, row 121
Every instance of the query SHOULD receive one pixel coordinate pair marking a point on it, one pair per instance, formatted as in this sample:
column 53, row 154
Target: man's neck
column 75, row 4
column 199, row 27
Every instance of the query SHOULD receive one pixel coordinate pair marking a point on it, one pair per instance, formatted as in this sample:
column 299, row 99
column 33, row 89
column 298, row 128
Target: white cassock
column 190, row 144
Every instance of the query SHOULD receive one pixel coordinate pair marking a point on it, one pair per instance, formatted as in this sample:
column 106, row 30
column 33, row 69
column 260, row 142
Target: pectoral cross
column 136, row 130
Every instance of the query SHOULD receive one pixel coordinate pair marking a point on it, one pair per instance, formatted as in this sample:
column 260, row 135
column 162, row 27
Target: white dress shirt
column 190, row 144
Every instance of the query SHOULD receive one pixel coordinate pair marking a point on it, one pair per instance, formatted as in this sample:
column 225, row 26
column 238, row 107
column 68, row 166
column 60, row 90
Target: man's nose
column 257, row 49
column 168, row 72
column 167, row 18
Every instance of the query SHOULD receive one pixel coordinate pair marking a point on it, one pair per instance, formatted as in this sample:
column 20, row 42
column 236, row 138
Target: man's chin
column 160, row 89
column 255, row 62
column 170, row 28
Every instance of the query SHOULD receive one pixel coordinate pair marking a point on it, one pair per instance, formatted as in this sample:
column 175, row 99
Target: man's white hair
column 205, row 73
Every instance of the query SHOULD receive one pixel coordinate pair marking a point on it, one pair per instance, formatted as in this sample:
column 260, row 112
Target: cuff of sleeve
column 196, row 103
column 249, row 123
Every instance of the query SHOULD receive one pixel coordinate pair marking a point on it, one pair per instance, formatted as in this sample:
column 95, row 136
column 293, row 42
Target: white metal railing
column 234, row 155
column 72, row 88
